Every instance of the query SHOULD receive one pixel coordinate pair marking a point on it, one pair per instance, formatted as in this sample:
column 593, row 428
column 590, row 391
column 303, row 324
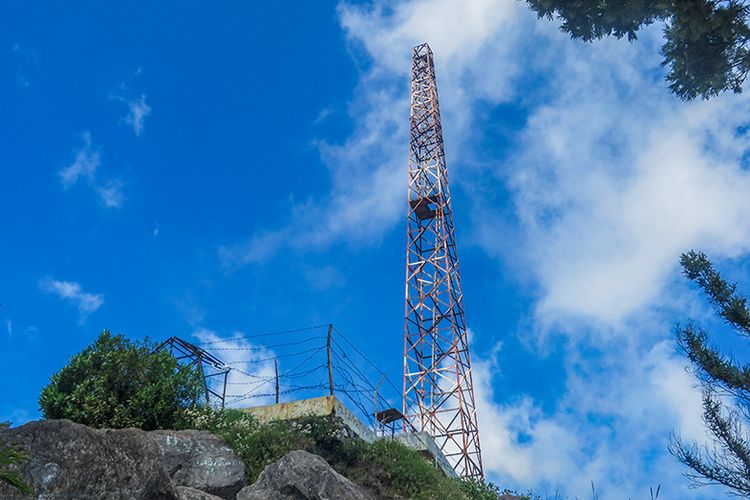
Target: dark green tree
column 118, row 383
column 726, row 460
column 706, row 41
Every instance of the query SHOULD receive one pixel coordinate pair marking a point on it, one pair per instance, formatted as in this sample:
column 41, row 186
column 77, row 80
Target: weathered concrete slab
column 423, row 442
column 321, row 407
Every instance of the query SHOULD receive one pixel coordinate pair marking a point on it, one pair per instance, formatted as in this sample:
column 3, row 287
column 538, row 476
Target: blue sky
column 200, row 170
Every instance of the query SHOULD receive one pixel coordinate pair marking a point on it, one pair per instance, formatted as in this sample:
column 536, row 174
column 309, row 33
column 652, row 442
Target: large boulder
column 200, row 460
column 68, row 460
column 300, row 475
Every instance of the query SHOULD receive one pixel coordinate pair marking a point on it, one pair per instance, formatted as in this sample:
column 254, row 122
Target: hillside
column 308, row 458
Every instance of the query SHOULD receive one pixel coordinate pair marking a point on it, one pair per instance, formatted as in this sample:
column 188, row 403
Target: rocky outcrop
column 300, row 475
column 200, row 460
column 72, row 461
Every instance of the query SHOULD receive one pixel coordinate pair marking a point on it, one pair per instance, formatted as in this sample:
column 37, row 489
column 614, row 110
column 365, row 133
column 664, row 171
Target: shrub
column 10, row 456
column 118, row 383
column 480, row 490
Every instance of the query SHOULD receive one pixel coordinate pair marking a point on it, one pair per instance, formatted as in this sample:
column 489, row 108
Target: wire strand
column 271, row 358
column 267, row 347
column 366, row 358
column 265, row 334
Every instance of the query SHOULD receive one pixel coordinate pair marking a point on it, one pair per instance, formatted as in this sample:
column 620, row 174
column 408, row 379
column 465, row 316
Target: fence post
column 224, row 391
column 276, row 369
column 202, row 375
column 330, row 367
column 377, row 388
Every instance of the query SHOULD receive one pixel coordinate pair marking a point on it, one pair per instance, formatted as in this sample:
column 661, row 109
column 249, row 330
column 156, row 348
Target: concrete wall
column 423, row 442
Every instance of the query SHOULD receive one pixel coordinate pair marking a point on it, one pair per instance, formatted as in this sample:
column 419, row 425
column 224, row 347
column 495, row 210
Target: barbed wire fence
column 281, row 366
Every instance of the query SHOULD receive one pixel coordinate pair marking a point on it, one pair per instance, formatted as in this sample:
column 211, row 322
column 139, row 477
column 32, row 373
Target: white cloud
column 254, row 251
column 368, row 170
column 323, row 115
column 138, row 110
column 613, row 432
column 84, row 168
column 614, row 179
column 324, row 278
column 111, row 193
column 251, row 380
column 9, row 327
column 71, row 291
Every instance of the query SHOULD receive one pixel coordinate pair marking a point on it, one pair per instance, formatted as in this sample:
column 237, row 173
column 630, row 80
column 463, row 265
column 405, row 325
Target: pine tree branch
column 726, row 463
column 711, row 367
column 730, row 306
column 729, row 434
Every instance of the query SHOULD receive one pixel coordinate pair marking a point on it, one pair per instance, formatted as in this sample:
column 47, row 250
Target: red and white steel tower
column 438, row 388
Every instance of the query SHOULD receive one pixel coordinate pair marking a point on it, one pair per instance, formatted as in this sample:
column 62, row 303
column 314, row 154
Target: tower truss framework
column 208, row 366
column 438, row 388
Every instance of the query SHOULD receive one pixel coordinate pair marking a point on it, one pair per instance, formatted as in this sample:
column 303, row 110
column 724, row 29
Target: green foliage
column 385, row 467
column 729, row 305
column 118, row 383
column 706, row 41
column 706, row 48
column 479, row 490
column 409, row 474
column 11, row 456
column 727, row 460
column 595, row 19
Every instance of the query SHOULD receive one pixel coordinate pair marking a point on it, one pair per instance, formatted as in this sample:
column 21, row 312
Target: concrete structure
column 324, row 406
column 329, row 406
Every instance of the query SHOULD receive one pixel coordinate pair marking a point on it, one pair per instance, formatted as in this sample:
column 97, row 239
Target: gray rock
column 158, row 486
column 300, row 475
column 71, row 461
column 200, row 460
column 187, row 493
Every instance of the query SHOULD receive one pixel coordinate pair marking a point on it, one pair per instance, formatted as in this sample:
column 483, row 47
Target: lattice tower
column 438, row 388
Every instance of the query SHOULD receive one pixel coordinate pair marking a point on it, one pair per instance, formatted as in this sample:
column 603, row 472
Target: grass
column 386, row 468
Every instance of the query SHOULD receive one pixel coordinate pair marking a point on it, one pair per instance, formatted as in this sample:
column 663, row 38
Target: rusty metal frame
column 208, row 366
column 438, row 388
